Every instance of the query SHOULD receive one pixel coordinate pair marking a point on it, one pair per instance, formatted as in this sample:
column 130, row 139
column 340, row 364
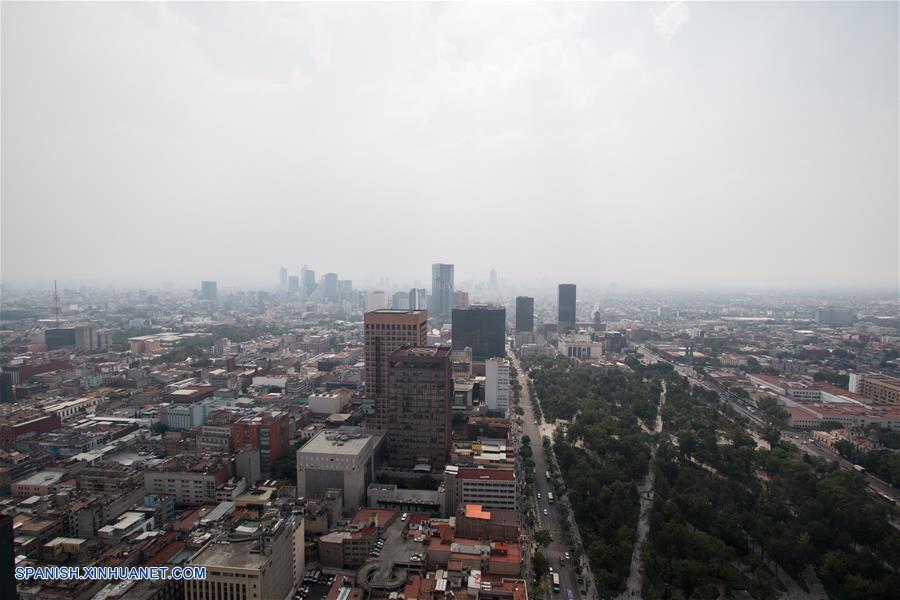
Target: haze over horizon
column 724, row 145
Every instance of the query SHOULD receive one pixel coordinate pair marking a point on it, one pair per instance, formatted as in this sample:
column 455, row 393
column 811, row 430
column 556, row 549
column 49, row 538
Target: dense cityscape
column 314, row 440
column 449, row 300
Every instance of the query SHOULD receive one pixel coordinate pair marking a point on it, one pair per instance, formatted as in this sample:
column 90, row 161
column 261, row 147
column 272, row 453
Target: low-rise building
column 489, row 488
column 190, row 482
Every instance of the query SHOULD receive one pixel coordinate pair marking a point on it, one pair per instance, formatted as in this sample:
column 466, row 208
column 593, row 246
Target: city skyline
column 709, row 145
column 482, row 301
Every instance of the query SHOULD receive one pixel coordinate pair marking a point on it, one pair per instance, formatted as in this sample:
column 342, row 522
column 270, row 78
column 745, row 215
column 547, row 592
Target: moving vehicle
column 556, row 583
column 550, row 497
column 547, row 473
column 859, row 468
column 546, row 512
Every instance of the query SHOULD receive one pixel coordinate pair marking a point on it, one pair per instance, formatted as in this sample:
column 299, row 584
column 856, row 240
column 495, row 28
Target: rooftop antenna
column 56, row 303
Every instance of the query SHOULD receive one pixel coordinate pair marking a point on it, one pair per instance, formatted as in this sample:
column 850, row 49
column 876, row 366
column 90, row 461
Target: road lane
column 551, row 521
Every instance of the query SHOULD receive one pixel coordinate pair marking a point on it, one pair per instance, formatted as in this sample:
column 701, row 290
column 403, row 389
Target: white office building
column 496, row 385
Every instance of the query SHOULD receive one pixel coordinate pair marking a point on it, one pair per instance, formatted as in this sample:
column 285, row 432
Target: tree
column 540, row 565
column 285, row 466
column 159, row 428
column 542, row 537
column 775, row 419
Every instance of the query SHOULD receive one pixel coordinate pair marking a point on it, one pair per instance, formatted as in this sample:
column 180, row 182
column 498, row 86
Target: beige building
column 489, row 488
column 262, row 566
column 880, row 388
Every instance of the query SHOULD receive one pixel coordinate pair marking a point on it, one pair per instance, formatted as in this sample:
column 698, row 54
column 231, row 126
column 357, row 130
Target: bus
column 556, row 583
column 550, row 497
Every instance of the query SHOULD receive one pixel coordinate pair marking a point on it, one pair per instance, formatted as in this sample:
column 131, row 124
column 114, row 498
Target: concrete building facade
column 420, row 390
column 496, row 385
column 343, row 459
column 384, row 332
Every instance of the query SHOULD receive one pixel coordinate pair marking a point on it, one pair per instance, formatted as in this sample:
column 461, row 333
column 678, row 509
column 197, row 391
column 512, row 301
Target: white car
column 539, row 495
column 546, row 512
column 404, row 517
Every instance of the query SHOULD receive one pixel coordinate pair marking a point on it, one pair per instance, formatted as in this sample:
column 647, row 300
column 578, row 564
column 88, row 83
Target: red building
column 24, row 372
column 270, row 433
column 14, row 427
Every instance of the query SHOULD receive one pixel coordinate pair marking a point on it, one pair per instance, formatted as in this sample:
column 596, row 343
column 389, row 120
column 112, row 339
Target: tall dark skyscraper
column 482, row 328
column 386, row 331
column 441, row 291
column 566, row 307
column 209, row 290
column 524, row 314
column 420, row 389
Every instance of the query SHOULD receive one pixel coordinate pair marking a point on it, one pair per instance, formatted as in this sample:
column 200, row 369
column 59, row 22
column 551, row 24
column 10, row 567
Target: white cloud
column 670, row 19
column 623, row 60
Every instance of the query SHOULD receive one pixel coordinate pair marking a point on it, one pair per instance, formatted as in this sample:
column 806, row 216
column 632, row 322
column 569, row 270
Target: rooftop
column 492, row 474
column 348, row 442
column 232, row 555
column 41, row 478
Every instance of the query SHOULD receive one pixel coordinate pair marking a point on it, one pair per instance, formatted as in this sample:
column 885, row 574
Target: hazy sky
column 651, row 144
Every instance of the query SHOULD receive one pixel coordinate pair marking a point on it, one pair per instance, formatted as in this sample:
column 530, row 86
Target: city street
column 550, row 521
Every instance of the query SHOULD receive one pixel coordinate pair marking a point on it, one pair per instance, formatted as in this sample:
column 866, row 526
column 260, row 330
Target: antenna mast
column 56, row 303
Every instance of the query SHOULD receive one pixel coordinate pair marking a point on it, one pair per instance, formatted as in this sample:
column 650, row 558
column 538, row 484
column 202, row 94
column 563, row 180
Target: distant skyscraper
column 293, row 287
column 308, row 280
column 418, row 299
column 441, row 291
column 400, row 301
column 283, row 279
column 524, row 314
column 482, row 328
column 330, row 283
column 834, row 317
column 376, row 300
column 345, row 290
column 566, row 320
column 209, row 291
column 420, row 389
column 460, row 299
column 384, row 332
column 492, row 279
